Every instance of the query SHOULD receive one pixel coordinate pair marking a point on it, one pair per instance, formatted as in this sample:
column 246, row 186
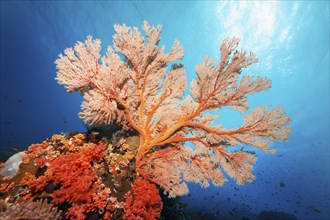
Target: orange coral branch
column 120, row 102
column 215, row 131
column 177, row 139
column 155, row 107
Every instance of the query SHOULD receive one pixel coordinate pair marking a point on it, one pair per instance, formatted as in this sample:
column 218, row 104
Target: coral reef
column 81, row 174
column 102, row 174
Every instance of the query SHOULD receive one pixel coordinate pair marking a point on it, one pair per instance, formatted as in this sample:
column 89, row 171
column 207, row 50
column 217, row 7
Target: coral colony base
column 92, row 176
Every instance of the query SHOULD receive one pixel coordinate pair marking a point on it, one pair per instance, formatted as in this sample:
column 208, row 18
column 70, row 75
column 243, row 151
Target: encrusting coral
column 86, row 175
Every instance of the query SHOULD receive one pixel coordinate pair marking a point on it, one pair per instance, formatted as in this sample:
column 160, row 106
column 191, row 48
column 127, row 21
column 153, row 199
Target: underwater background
column 291, row 40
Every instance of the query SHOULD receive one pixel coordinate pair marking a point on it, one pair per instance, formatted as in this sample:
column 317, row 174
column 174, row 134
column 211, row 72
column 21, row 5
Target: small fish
column 176, row 66
column 182, row 204
column 282, row 184
column 15, row 148
column 95, row 133
column 314, row 208
column 65, row 121
column 195, row 214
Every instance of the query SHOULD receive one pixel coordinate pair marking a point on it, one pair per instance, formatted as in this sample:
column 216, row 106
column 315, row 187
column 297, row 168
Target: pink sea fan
column 141, row 93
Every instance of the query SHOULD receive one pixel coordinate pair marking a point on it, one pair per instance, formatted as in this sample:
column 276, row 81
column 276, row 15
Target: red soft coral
column 75, row 174
column 143, row 202
column 38, row 152
column 35, row 185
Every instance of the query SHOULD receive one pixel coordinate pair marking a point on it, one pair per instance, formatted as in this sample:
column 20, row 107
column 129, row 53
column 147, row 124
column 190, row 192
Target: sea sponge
column 11, row 166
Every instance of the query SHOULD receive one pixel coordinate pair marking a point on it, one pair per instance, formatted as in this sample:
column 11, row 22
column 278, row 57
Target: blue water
column 291, row 40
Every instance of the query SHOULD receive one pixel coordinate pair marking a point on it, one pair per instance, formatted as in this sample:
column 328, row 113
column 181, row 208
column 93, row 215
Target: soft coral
column 143, row 202
column 73, row 171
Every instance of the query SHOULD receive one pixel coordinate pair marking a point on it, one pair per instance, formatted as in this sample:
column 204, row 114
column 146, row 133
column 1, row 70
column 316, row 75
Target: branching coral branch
column 140, row 92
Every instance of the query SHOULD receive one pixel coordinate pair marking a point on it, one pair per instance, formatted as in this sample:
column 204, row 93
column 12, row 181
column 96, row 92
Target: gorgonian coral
column 142, row 93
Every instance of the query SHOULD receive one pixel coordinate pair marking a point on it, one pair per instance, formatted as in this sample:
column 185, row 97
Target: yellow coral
column 57, row 137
